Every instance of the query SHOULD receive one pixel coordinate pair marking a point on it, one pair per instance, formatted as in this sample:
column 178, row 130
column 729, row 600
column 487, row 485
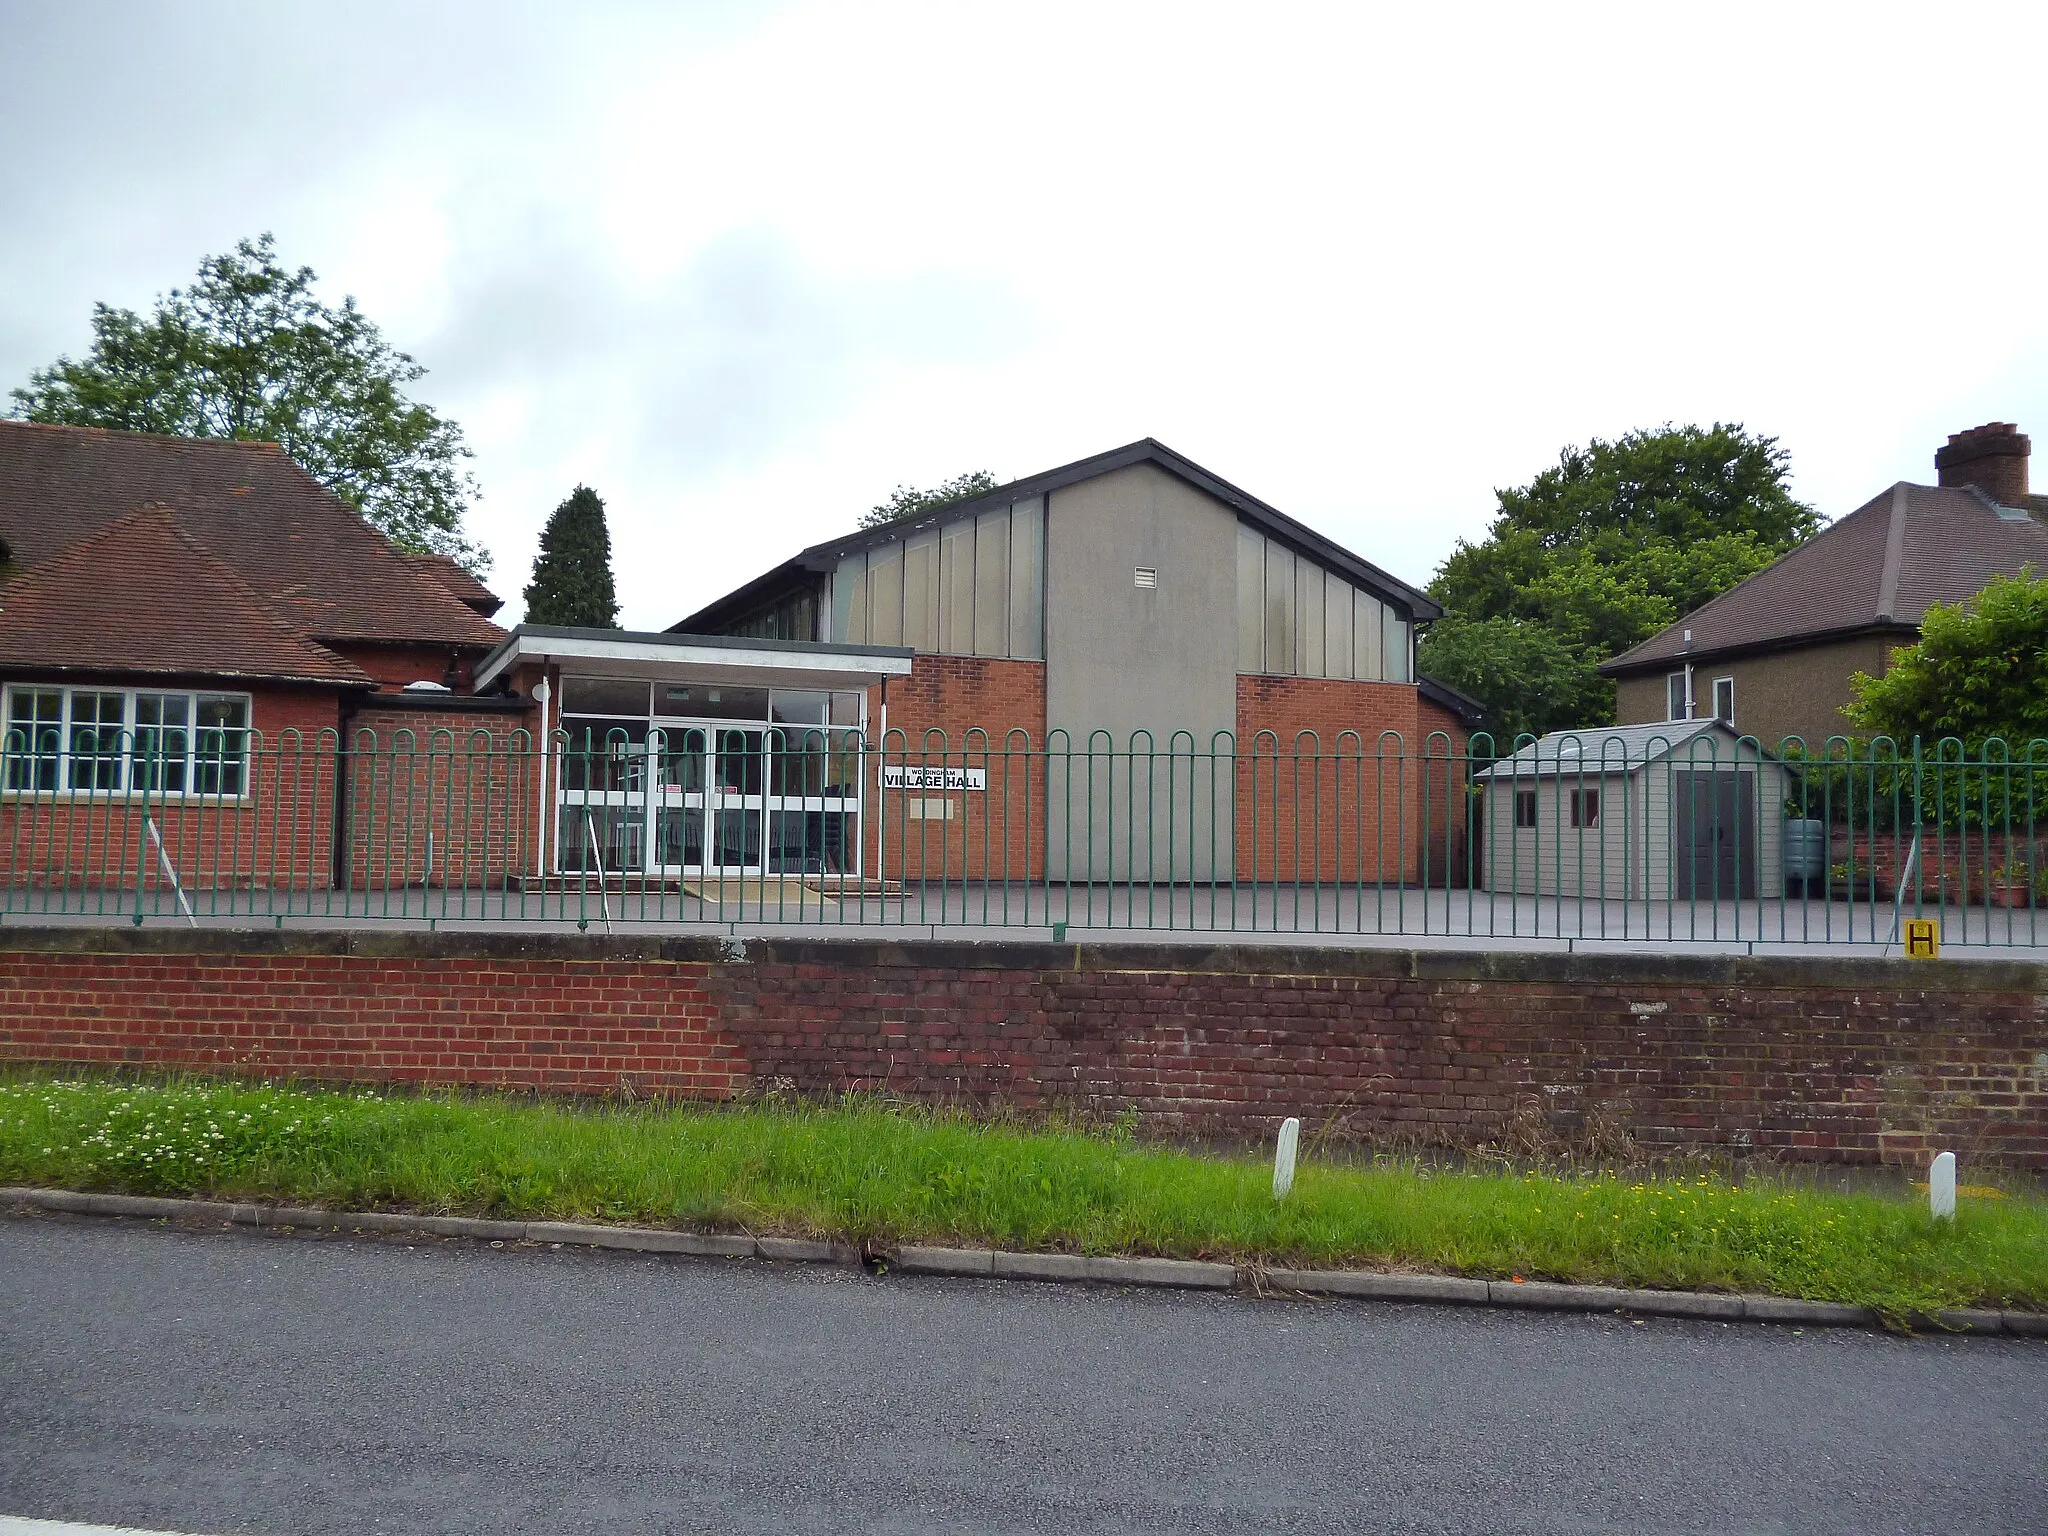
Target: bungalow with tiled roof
column 1772, row 656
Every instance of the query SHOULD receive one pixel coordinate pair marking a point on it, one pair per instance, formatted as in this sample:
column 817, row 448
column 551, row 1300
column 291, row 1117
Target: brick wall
column 1852, row 1061
column 278, row 833
column 962, row 712
column 445, row 797
column 1349, row 801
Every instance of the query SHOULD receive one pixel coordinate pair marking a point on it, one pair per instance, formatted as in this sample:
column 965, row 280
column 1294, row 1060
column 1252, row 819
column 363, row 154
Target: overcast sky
column 743, row 269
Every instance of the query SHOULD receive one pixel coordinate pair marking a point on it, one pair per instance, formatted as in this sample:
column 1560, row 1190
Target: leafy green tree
column 248, row 351
column 572, row 575
column 1598, row 553
column 1979, row 670
column 906, row 501
column 1529, row 679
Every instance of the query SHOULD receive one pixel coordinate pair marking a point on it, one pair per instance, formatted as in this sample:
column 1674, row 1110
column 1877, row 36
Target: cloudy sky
column 744, row 268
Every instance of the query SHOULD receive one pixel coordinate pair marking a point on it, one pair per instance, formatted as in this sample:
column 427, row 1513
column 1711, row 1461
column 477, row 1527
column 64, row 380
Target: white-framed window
column 1678, row 695
column 1724, row 700
column 110, row 741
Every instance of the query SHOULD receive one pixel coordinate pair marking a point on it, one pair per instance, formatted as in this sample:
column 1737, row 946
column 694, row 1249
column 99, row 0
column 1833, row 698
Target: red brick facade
column 444, row 797
column 967, row 712
column 1821, row 1060
column 1344, row 781
column 278, row 833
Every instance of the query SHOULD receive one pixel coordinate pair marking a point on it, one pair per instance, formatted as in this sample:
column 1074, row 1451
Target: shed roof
column 1626, row 749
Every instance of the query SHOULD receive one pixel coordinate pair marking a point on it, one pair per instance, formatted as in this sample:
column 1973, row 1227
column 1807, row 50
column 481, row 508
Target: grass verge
column 867, row 1171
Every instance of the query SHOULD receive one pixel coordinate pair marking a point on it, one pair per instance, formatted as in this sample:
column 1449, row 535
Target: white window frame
column 123, row 760
column 1729, row 718
column 1683, row 676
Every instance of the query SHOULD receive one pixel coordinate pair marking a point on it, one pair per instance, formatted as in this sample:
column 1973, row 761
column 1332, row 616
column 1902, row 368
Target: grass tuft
column 867, row 1171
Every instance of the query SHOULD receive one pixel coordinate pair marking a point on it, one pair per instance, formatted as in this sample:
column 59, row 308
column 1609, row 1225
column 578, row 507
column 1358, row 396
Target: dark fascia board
column 822, row 558
column 1618, row 666
column 1462, row 705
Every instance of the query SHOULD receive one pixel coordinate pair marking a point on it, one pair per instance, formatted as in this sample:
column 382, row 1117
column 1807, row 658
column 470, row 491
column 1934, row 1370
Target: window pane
column 885, row 594
column 96, row 722
column 808, row 842
column 603, row 696
column 1724, row 700
column 1336, row 626
column 1395, row 658
column 737, row 764
column 1279, row 608
column 846, row 709
column 1368, row 633
column 162, row 744
column 1308, row 619
column 850, row 601
column 220, row 746
column 679, row 758
column 1251, row 599
column 603, row 754
column 956, row 587
column 1027, row 579
column 921, row 591
column 992, row 583
column 35, row 725
column 793, row 708
column 1674, row 696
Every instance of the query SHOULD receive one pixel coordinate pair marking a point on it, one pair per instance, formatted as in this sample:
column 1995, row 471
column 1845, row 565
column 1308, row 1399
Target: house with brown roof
column 1772, row 656
column 181, row 617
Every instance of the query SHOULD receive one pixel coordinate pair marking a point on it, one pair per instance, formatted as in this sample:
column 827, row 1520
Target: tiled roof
column 300, row 548
column 138, row 595
column 453, row 575
column 1880, row 567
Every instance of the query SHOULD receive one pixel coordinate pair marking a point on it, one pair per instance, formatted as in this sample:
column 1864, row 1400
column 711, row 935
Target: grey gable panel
column 807, row 565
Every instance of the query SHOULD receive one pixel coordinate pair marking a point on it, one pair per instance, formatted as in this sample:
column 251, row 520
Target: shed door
column 1713, row 835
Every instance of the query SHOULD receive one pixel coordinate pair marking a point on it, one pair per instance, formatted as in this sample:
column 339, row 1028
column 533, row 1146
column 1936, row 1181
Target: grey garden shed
column 1683, row 810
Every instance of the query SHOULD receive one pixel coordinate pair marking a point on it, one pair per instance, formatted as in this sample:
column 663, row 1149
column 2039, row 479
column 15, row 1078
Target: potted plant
column 2015, row 883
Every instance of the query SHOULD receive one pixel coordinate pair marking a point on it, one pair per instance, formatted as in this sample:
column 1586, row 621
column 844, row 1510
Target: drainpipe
column 542, row 693
column 881, row 798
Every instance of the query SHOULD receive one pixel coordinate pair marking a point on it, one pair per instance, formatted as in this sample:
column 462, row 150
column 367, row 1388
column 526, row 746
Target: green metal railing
column 1618, row 838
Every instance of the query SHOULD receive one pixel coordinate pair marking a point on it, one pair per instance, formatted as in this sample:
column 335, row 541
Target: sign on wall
column 1923, row 938
column 913, row 776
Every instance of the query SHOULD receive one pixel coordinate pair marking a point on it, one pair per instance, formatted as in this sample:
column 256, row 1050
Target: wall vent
column 1144, row 576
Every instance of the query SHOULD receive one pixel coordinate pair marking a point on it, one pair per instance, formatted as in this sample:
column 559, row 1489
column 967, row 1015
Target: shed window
column 1585, row 807
column 1525, row 807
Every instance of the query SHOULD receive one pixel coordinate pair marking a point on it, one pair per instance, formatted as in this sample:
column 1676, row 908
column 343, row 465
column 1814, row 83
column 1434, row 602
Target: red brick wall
column 396, row 665
column 1347, row 803
column 459, row 785
column 1855, row 1061
column 280, row 833
column 961, row 712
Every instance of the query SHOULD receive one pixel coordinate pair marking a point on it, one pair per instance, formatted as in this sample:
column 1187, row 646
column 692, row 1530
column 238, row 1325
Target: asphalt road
column 245, row 1381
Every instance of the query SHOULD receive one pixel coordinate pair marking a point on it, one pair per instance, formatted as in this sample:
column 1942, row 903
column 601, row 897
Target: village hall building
column 200, row 643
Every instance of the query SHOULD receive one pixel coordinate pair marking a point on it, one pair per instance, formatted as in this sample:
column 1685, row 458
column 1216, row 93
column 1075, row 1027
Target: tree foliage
column 572, row 575
column 248, row 351
column 1598, row 553
column 1979, row 670
column 906, row 501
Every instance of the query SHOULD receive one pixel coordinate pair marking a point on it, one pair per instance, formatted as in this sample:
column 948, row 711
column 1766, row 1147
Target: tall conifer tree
column 572, row 576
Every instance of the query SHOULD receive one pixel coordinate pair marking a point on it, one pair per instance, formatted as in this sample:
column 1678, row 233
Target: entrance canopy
column 695, row 658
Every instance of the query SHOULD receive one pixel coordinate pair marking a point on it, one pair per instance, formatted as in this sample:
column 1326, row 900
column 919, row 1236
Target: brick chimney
column 1992, row 457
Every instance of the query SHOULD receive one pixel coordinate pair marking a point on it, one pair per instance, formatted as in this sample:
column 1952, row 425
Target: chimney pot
column 1992, row 457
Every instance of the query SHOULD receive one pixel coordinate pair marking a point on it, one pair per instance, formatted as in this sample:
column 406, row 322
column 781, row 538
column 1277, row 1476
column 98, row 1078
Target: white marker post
column 1941, row 1187
column 1283, row 1157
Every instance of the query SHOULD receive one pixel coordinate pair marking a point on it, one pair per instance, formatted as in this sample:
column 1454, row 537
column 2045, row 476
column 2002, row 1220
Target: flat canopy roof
column 697, row 658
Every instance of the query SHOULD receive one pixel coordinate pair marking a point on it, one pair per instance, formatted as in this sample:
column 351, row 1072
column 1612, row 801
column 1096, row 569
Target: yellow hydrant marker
column 1923, row 938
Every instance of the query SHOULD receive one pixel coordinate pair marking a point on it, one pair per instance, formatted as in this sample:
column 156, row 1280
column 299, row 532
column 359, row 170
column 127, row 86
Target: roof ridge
column 161, row 437
column 1894, row 556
